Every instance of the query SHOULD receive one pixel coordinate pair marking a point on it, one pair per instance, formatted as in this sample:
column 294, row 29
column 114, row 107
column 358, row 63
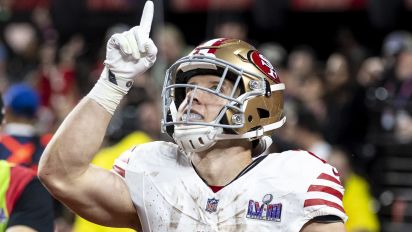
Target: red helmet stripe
column 216, row 43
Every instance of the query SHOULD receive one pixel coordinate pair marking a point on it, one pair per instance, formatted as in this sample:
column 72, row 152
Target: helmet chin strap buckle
column 196, row 138
column 259, row 133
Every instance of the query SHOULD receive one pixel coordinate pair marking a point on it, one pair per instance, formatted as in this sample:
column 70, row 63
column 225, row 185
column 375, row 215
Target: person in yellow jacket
column 25, row 205
column 357, row 200
column 105, row 159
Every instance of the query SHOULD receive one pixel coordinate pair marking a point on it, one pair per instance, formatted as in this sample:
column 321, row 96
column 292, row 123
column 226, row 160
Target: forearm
column 73, row 146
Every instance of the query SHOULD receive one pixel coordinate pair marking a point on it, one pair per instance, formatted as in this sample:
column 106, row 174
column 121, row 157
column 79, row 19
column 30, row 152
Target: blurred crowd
column 343, row 109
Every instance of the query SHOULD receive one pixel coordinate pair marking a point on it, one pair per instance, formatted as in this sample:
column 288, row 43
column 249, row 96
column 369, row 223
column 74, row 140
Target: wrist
column 110, row 90
column 107, row 95
column 119, row 80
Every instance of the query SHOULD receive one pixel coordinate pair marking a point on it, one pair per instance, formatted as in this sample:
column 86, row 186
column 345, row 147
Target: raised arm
column 94, row 193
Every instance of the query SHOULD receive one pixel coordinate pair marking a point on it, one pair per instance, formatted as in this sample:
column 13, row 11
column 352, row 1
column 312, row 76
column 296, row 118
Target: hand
column 128, row 55
column 131, row 53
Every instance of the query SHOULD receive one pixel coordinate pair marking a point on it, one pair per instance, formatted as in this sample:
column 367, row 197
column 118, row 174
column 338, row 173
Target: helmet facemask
column 192, row 135
column 250, row 88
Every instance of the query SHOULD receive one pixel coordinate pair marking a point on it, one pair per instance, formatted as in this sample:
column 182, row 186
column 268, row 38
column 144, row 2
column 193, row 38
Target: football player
column 220, row 103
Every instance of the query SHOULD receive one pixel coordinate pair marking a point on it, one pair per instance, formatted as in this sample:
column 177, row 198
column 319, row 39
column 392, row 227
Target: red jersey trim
column 313, row 202
column 216, row 189
column 325, row 176
column 326, row 189
column 119, row 170
column 317, row 157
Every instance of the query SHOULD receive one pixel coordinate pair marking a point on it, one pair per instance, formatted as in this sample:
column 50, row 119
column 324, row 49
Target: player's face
column 205, row 106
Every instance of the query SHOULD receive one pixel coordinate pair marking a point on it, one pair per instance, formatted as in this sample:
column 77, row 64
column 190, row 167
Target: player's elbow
column 51, row 173
column 51, row 184
column 47, row 168
column 56, row 186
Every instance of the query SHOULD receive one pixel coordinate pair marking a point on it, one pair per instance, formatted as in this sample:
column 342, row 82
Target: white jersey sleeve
column 315, row 186
column 324, row 194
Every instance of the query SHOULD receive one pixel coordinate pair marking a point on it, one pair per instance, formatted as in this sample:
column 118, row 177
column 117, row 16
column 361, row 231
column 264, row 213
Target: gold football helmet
column 255, row 105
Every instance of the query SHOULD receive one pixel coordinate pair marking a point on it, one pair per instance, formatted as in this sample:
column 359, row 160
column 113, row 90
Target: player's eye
column 213, row 87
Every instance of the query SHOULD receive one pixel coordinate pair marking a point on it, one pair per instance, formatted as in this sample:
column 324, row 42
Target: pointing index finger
column 147, row 18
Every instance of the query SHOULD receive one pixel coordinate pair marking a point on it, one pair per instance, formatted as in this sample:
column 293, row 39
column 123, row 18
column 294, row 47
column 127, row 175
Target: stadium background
column 324, row 26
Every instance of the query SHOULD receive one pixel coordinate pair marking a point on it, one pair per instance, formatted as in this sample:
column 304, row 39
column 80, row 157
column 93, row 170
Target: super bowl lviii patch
column 265, row 210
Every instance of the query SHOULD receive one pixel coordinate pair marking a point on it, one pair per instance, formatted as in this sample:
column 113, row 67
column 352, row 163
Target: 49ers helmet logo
column 263, row 64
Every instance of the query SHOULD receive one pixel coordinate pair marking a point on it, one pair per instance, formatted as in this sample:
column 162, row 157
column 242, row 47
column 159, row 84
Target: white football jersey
column 280, row 193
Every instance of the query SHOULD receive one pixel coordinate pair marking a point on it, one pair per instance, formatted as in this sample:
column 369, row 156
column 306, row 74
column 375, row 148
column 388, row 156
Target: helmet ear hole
column 250, row 118
column 201, row 141
column 263, row 113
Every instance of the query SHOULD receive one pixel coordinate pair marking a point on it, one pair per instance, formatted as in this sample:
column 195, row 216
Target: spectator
column 301, row 63
column 396, row 107
column 230, row 25
column 308, row 134
column 25, row 205
column 347, row 116
column 19, row 141
column 171, row 45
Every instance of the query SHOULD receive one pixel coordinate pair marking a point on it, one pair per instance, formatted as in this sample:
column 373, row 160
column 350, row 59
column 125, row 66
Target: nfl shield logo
column 211, row 205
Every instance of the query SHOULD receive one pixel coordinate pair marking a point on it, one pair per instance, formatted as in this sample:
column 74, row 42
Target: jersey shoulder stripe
column 314, row 202
column 326, row 189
